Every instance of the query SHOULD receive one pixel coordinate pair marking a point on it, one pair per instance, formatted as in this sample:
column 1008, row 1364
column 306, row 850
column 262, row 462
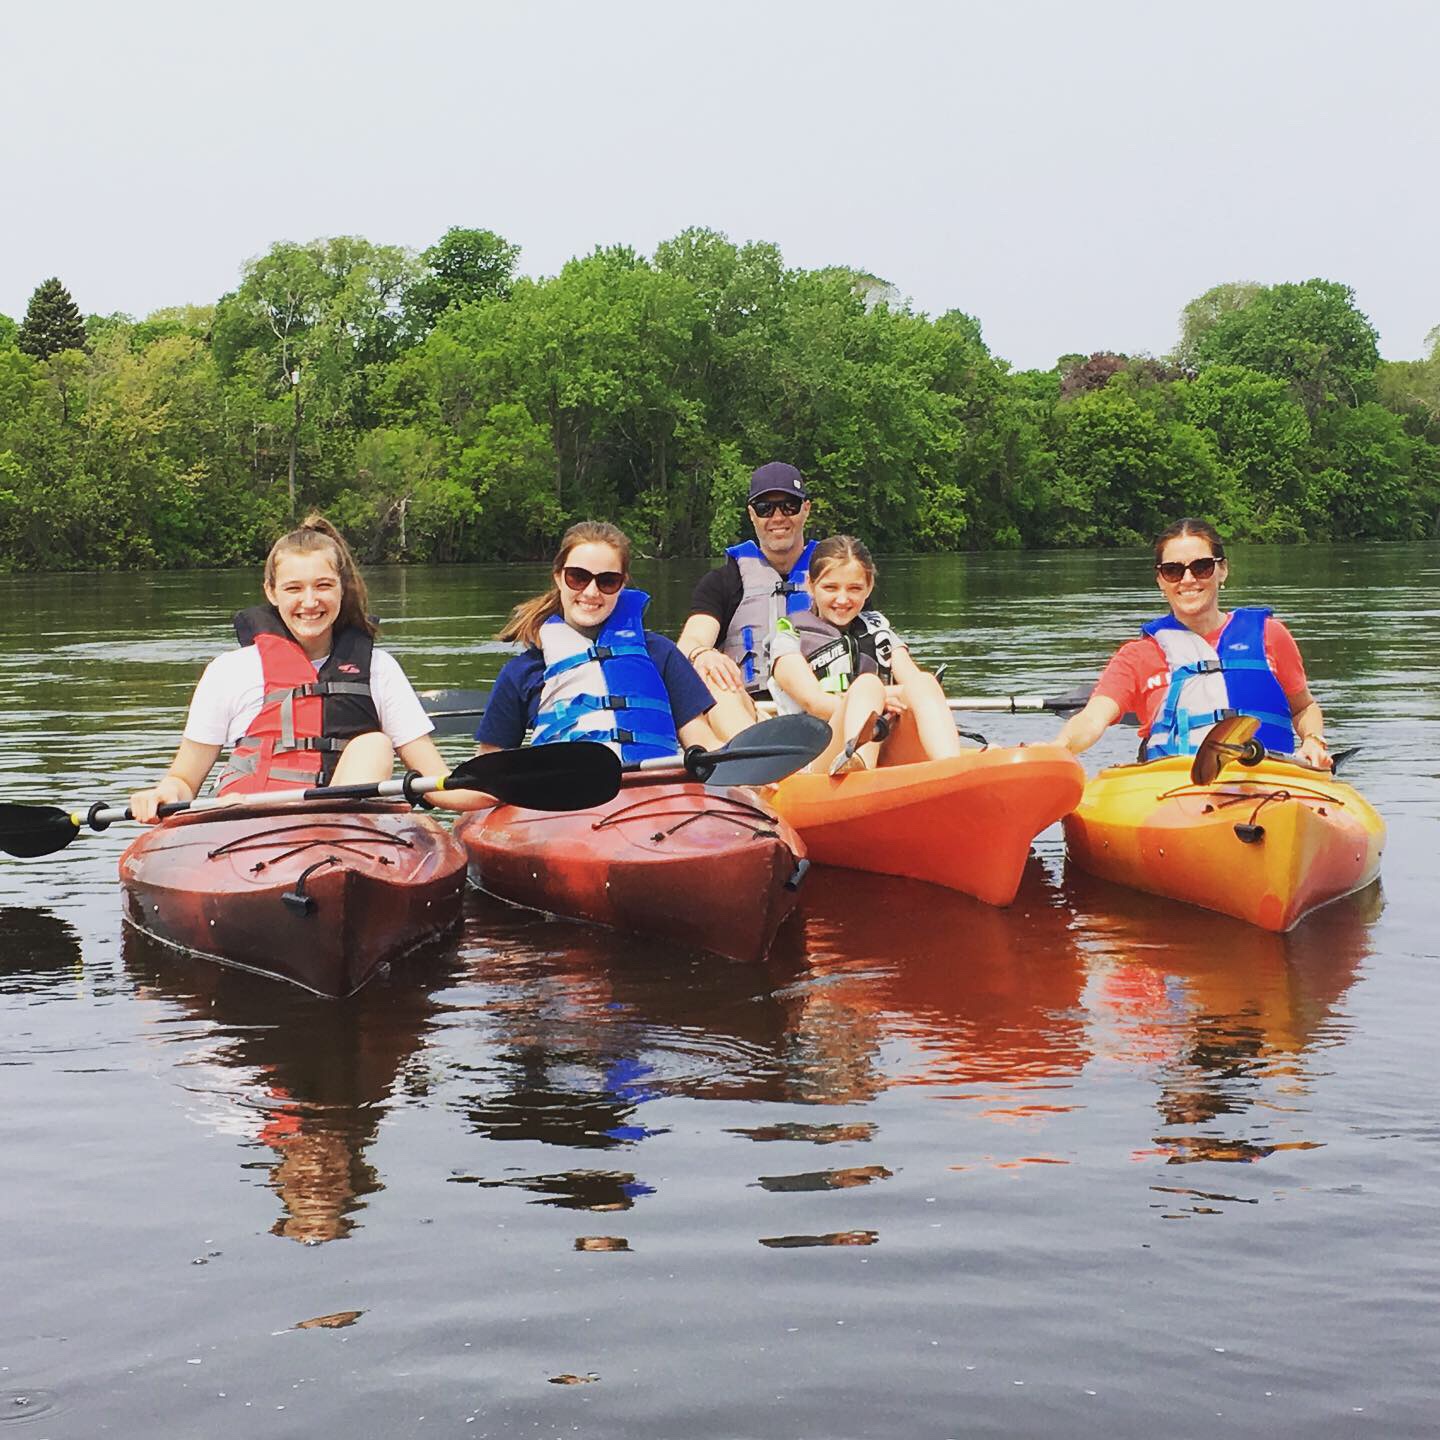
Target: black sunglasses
column 1202, row 569
column 788, row 505
column 607, row 582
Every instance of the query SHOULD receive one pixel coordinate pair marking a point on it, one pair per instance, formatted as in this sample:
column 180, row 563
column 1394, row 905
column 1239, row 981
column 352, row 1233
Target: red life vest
column 306, row 717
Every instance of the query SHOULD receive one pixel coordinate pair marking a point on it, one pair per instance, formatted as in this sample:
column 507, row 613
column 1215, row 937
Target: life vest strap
column 593, row 652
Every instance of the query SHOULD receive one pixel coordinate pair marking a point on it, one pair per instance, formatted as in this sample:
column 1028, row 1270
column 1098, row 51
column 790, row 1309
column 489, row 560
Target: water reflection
column 988, row 1001
column 39, row 953
column 307, row 1079
column 1225, row 1017
column 588, row 1027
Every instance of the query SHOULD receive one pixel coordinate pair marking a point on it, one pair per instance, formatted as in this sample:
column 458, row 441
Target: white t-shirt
column 232, row 690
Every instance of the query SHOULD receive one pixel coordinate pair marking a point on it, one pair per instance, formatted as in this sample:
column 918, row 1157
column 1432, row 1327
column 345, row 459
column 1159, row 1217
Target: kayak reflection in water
column 590, row 669
column 843, row 662
column 1198, row 663
column 307, row 699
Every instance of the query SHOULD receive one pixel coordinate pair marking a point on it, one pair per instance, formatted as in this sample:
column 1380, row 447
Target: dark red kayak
column 715, row 869
column 321, row 898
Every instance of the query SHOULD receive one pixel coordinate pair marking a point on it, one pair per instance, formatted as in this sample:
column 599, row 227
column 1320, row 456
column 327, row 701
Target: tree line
column 442, row 407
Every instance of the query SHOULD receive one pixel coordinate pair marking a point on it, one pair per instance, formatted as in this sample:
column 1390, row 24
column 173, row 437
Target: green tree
column 52, row 322
column 1125, row 473
column 463, row 267
column 1411, row 388
column 1369, row 489
column 1309, row 335
column 1263, row 437
column 1203, row 313
column 313, row 325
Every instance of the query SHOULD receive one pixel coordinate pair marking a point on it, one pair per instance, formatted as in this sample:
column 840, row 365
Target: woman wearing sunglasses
column 590, row 670
column 1198, row 663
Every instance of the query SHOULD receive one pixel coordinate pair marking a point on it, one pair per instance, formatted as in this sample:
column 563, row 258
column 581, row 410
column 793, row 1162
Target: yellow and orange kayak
column 964, row 822
column 1267, row 843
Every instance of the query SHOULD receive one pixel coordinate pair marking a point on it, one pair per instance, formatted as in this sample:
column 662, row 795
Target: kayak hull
column 710, row 868
column 322, row 899
column 1267, row 844
column 965, row 822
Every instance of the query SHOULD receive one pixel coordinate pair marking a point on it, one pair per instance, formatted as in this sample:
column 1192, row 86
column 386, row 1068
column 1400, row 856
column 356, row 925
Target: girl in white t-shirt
column 318, row 604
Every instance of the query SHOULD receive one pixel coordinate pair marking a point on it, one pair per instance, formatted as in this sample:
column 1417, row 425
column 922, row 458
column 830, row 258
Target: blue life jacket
column 608, row 690
column 1207, row 684
column 766, row 598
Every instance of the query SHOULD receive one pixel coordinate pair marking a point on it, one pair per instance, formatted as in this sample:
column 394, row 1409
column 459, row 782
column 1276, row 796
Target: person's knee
column 365, row 757
column 927, row 685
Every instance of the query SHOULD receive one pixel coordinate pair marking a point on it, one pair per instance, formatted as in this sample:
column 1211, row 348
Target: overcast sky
column 1069, row 174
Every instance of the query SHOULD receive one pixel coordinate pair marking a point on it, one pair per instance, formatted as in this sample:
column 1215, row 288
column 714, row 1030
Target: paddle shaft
column 446, row 707
column 99, row 816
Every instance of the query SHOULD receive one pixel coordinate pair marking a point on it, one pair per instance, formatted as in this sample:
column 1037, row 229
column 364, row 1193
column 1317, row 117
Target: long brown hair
column 836, row 550
column 528, row 616
column 313, row 533
column 1190, row 526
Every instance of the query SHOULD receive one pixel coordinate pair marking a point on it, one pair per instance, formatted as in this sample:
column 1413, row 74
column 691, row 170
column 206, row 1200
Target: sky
column 1069, row 174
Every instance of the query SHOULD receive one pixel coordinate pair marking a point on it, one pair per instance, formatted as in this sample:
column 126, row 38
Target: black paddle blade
column 762, row 754
column 571, row 776
column 29, row 831
column 1226, row 740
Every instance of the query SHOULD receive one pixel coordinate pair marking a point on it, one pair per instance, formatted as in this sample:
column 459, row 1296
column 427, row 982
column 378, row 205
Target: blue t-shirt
column 515, row 700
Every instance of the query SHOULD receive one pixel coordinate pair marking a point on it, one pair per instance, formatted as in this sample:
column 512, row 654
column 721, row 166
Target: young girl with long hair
column 590, row 670
column 843, row 662
column 307, row 699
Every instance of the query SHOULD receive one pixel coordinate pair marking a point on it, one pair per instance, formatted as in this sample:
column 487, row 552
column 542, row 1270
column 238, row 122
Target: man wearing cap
column 734, row 609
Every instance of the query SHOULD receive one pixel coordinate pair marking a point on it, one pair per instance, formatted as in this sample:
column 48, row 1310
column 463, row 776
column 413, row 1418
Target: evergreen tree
column 52, row 322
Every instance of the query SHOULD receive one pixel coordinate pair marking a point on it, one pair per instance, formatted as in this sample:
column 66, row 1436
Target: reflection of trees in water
column 311, row 1078
column 1224, row 1015
column 39, row 952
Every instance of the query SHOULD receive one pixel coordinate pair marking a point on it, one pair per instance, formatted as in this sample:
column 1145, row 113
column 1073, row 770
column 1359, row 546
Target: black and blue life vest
column 607, row 689
column 1208, row 683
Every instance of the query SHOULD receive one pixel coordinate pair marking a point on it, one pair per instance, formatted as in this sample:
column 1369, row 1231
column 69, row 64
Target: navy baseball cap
column 777, row 478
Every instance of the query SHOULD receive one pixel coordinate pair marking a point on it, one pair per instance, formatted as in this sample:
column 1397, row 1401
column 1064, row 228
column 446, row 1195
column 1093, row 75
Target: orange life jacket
column 306, row 717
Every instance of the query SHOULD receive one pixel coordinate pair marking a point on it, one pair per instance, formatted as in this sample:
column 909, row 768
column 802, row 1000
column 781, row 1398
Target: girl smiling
column 843, row 663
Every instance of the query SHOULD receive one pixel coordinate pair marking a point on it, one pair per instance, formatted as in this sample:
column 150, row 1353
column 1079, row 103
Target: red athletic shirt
column 1136, row 677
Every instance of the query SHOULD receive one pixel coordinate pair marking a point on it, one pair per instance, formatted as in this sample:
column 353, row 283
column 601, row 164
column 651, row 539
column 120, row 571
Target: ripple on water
column 26, row 1405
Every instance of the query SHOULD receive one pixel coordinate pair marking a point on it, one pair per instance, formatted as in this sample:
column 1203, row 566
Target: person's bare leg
column 925, row 730
column 365, row 759
column 734, row 711
column 853, row 723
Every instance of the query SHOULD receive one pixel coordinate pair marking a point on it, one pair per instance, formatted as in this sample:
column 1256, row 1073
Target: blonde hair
column 527, row 617
column 836, row 550
column 314, row 533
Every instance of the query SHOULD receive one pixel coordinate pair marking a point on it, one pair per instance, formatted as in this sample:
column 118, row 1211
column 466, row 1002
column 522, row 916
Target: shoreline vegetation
column 439, row 407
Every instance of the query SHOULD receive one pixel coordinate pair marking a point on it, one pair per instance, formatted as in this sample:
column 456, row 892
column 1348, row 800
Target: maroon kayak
column 322, row 898
column 716, row 869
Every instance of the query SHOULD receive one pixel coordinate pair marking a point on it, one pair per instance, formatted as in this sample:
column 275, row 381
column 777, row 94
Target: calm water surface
column 1095, row 1165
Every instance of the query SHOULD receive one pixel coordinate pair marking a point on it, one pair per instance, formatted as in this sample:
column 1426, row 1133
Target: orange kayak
column 712, row 868
column 1267, row 844
column 965, row 822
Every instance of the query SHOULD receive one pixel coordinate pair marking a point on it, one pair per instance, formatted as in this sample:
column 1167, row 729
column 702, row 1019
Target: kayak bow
column 1267, row 842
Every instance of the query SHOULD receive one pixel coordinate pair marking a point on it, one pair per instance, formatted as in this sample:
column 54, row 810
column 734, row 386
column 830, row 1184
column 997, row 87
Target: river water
column 1093, row 1166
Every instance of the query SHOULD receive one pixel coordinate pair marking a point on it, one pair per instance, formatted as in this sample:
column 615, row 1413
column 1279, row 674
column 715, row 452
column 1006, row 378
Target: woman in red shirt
column 1161, row 676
